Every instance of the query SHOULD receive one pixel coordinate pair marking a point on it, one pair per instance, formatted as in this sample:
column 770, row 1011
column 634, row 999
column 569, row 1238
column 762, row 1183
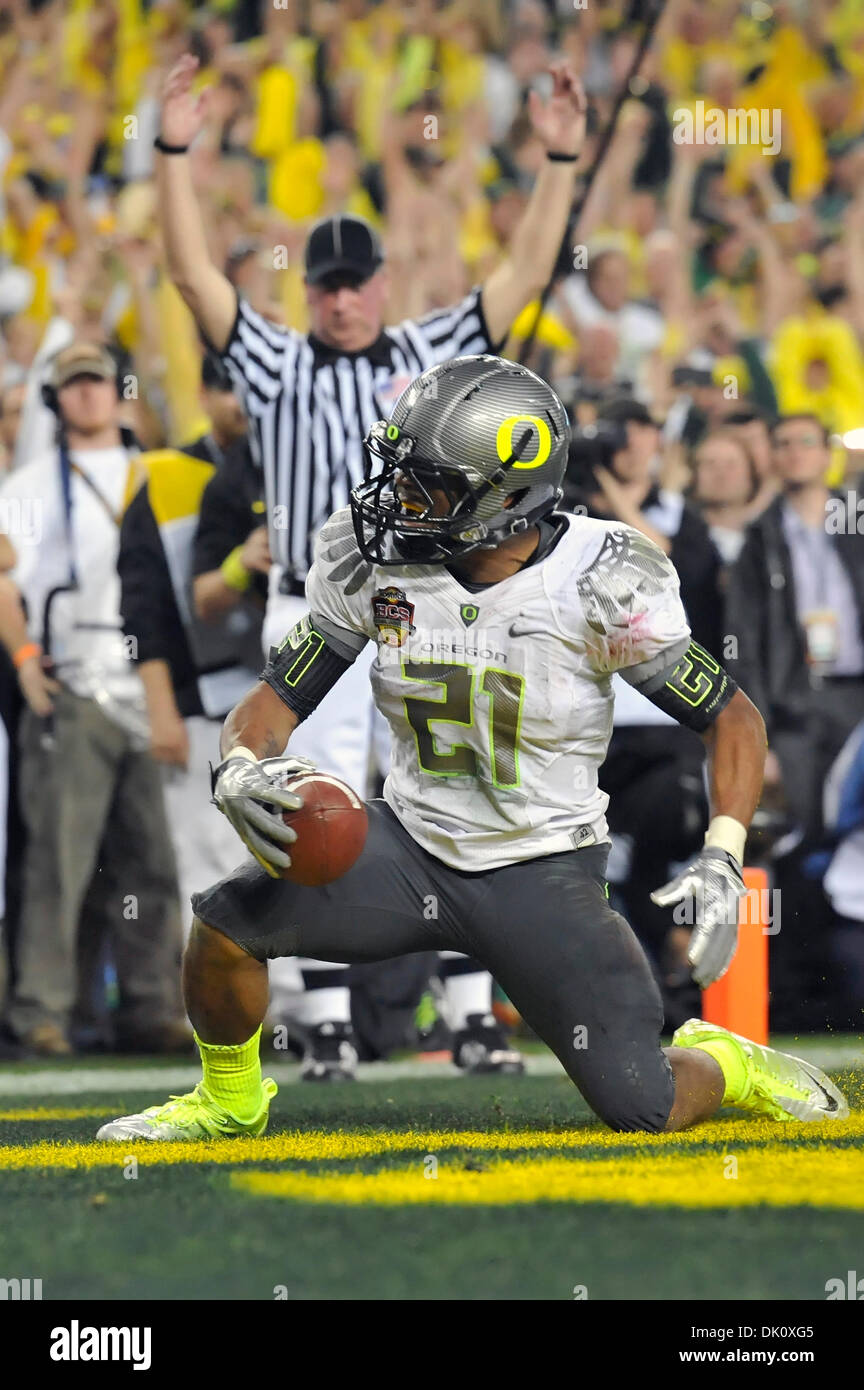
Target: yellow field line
column 13, row 1116
column 828, row 1178
column 325, row 1144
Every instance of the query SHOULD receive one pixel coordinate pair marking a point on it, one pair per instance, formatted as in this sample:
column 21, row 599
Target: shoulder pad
column 338, row 555
column 627, row 566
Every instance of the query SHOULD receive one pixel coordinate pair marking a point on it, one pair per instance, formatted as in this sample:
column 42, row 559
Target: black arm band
column 304, row 668
column 693, row 690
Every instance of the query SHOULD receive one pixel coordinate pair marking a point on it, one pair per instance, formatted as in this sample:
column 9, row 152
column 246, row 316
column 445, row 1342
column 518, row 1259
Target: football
column 331, row 828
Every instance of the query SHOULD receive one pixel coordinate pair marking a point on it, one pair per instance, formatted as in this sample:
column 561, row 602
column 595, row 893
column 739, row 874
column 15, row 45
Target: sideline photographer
column 99, row 866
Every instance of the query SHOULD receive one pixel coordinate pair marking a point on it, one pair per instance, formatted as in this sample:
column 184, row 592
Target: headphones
column 50, row 391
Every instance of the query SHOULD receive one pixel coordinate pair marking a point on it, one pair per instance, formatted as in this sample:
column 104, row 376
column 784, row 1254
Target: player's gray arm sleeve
column 342, row 639
column 309, row 662
column 647, row 672
column 685, row 682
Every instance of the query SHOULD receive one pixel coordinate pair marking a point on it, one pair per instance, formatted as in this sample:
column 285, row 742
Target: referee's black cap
column 342, row 244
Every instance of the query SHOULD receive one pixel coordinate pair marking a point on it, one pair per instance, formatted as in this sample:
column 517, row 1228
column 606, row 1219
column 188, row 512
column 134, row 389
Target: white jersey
column 500, row 702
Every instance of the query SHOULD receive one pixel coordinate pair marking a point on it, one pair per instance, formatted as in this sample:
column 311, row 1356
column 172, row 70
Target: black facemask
column 389, row 533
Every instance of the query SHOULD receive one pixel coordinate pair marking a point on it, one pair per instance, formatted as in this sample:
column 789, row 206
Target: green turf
column 181, row 1232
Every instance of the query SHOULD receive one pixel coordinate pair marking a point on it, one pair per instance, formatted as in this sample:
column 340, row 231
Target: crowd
column 704, row 325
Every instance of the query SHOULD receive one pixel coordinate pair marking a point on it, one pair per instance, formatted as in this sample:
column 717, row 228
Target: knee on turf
column 635, row 1123
column 633, row 1114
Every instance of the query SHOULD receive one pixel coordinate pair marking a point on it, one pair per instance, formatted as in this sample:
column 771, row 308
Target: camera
column 591, row 446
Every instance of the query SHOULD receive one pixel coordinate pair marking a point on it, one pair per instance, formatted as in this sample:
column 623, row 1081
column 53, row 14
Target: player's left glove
column 711, row 886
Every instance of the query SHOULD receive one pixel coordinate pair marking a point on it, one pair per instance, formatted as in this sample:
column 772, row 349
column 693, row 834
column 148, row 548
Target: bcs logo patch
column 393, row 616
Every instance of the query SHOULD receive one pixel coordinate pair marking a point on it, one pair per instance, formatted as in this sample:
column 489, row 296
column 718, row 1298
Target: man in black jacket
column 795, row 608
column 231, row 554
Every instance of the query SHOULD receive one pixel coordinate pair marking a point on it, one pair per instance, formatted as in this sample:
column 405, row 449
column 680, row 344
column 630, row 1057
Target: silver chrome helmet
column 488, row 434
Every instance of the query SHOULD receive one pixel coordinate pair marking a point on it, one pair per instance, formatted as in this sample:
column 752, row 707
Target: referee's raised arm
column 559, row 123
column 210, row 296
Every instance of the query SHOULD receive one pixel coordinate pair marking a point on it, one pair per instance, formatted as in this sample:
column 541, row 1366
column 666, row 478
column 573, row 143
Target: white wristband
column 724, row 832
column 241, row 752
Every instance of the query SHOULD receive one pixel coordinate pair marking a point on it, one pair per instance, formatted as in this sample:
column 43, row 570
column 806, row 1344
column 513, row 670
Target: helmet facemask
column 391, row 530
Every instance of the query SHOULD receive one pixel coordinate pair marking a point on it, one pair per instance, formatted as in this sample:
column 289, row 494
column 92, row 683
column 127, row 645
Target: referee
column 310, row 399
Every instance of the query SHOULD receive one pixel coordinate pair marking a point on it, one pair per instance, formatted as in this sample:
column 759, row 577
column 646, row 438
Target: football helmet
column 474, row 452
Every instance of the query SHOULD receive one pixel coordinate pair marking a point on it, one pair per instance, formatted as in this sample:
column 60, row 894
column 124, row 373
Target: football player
column 499, row 623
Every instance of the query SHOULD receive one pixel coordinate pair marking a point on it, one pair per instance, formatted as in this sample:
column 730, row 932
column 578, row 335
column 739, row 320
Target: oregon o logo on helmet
column 504, row 440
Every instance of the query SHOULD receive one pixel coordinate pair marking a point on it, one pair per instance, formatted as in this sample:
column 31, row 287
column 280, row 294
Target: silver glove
column 249, row 795
column 711, row 887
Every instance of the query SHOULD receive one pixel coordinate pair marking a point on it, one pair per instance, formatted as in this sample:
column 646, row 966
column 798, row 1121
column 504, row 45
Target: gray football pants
column 543, row 927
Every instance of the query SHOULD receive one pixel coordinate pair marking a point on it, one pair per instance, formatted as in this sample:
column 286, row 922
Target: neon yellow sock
column 232, row 1076
column 732, row 1061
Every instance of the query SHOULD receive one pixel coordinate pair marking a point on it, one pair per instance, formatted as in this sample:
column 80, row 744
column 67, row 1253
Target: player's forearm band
column 304, row 668
column 725, row 832
column 693, row 691
column 241, row 751
column 234, row 572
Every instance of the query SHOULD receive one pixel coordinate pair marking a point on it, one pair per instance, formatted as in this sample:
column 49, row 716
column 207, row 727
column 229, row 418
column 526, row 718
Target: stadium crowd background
column 708, row 289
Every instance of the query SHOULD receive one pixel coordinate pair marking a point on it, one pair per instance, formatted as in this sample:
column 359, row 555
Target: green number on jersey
column 452, row 707
column 505, row 691
column 694, row 677
column 456, row 706
column 307, row 643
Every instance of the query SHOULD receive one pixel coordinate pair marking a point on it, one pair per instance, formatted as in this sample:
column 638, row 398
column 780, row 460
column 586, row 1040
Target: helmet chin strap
column 517, row 525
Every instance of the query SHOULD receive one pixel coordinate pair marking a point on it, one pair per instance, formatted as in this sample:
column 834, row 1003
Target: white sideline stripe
column 70, row 1081
column 73, row 1080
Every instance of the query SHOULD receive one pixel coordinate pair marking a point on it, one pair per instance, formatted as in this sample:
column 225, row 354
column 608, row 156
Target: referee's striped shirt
column 309, row 407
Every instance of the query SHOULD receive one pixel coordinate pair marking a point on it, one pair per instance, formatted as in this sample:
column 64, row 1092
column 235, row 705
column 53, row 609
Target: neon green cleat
column 193, row 1116
column 775, row 1084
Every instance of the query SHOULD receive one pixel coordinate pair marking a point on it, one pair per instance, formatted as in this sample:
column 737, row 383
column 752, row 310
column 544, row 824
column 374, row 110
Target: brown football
column 331, row 828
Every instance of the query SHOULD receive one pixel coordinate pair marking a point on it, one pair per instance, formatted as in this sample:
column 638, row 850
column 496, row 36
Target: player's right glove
column 248, row 794
column 710, row 887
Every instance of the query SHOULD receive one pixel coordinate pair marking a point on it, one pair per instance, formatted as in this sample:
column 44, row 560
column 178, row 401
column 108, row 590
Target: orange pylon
column 739, row 1001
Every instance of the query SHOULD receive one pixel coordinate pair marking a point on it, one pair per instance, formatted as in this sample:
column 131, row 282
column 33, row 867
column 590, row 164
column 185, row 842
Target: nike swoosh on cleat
column 833, row 1105
column 831, row 1100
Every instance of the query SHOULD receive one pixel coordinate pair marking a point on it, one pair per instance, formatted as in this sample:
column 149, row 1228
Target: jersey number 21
column 505, row 692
